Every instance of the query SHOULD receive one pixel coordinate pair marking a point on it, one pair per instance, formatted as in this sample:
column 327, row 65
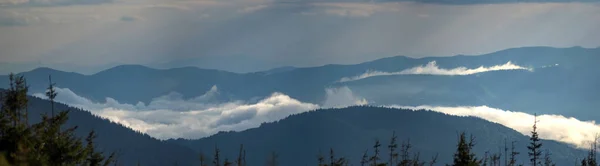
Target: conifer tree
column 405, row 150
column 240, row 161
column 321, row 159
column 43, row 143
column 51, row 94
column 433, row 160
column 375, row 158
column 216, row 159
column 590, row 159
column 392, row 148
column 547, row 159
column 331, row 157
column 364, row 159
column 463, row 155
column 535, row 146
column 513, row 155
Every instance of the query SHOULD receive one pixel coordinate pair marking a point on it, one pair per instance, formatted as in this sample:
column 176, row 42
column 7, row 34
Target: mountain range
column 559, row 82
column 298, row 139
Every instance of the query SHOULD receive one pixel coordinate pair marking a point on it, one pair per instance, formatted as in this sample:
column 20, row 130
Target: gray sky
column 250, row 35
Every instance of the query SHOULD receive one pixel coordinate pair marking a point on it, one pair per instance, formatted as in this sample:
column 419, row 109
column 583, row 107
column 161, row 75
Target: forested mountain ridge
column 350, row 131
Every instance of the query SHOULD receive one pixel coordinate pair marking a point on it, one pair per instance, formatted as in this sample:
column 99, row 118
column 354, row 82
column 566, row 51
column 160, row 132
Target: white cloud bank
column 342, row 97
column 432, row 68
column 171, row 116
column 552, row 127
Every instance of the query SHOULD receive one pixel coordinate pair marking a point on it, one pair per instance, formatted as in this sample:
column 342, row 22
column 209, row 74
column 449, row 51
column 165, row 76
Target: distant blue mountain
column 568, row 88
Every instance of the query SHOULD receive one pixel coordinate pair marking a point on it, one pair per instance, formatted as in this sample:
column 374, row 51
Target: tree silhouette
column 534, row 146
column 392, row 147
column 513, row 155
column 463, row 155
column 216, row 159
column 375, row 158
column 43, row 143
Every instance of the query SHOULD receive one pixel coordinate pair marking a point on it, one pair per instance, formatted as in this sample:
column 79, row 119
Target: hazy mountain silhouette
column 566, row 88
column 299, row 138
column 350, row 131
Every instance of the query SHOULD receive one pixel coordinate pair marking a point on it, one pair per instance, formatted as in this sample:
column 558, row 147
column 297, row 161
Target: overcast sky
column 251, row 35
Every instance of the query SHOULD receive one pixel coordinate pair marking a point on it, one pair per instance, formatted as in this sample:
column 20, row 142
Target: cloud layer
column 172, row 116
column 342, row 97
column 552, row 127
column 433, row 69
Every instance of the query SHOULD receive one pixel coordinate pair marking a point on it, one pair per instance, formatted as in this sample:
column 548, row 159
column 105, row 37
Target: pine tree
column 535, row 145
column 239, row 161
column 547, row 159
column 216, row 160
column 43, row 143
column 433, row 160
column 513, row 155
column 505, row 153
column 364, row 159
column 51, row 94
column 463, row 155
column 590, row 160
column 485, row 158
column 331, row 157
column 405, row 150
column 321, row 159
column 392, row 147
column 375, row 158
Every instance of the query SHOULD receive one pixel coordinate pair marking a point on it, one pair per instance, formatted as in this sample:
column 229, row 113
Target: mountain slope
column 350, row 131
column 129, row 145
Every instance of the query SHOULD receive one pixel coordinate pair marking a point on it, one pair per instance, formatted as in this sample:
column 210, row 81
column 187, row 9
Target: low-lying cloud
column 552, row 127
column 342, row 97
column 432, row 68
column 172, row 116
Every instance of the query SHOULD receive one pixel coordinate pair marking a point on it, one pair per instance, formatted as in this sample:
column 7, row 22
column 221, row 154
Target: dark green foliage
column 464, row 155
column 535, row 146
column 43, row 143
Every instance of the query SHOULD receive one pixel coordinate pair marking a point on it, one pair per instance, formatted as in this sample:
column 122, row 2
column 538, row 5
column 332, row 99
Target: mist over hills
column 130, row 146
column 351, row 131
column 542, row 80
column 297, row 139
column 557, row 74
